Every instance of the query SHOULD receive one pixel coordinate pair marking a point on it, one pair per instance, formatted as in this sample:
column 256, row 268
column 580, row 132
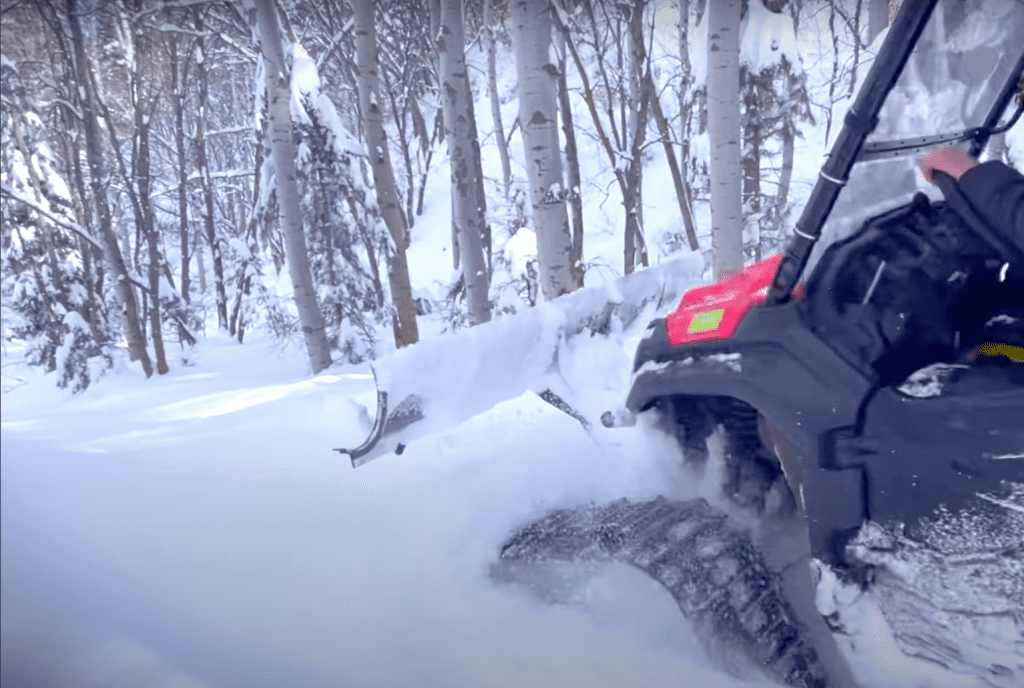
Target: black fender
column 800, row 385
column 865, row 452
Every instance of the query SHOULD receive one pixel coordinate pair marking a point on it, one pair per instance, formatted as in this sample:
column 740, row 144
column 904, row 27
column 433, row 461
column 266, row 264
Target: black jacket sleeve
column 997, row 192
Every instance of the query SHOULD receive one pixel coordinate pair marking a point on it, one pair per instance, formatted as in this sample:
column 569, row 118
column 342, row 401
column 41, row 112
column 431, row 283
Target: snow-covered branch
column 66, row 224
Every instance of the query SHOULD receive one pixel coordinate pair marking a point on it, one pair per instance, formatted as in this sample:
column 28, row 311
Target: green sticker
column 705, row 322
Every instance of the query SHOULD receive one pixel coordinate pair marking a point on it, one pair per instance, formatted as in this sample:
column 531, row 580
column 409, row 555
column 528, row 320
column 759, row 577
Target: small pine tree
column 337, row 255
column 776, row 104
column 343, row 234
column 44, row 283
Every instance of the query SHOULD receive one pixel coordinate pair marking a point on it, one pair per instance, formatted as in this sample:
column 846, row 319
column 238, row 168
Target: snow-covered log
column 442, row 382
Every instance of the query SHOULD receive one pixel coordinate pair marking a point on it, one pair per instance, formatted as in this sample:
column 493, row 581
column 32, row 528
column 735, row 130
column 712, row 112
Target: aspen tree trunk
column 751, row 163
column 724, row 132
column 572, row 160
column 700, row 8
column 144, row 181
column 388, row 201
column 685, row 78
column 93, row 272
column 538, row 121
column 252, row 232
column 682, row 191
column 856, row 47
column 634, row 61
column 478, row 173
column 153, row 248
column 635, row 134
column 786, row 173
column 466, row 214
column 201, row 267
column 204, row 177
column 404, row 145
column 283, row 151
column 137, row 184
column 492, row 90
column 144, row 108
column 625, row 170
column 177, row 105
column 94, row 155
column 621, row 74
column 686, row 103
column 434, row 7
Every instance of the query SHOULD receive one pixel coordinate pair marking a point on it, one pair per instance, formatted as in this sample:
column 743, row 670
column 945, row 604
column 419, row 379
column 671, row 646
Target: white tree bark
column 289, row 210
column 405, row 328
column 538, row 121
column 178, row 107
column 724, row 132
column 635, row 248
column 634, row 60
column 458, row 131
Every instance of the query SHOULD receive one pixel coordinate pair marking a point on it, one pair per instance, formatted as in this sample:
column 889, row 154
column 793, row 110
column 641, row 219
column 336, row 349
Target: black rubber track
column 719, row 580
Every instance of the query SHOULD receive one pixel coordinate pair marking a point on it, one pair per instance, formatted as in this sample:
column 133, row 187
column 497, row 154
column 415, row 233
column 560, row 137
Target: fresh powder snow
column 195, row 530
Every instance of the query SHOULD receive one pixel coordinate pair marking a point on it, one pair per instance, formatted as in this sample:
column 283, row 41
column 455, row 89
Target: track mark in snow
column 714, row 573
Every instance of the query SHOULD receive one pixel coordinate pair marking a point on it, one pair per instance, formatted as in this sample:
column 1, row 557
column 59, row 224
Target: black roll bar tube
column 860, row 121
column 992, row 121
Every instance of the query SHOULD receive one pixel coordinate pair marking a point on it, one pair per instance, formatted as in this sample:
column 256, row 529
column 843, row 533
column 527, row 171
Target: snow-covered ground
column 196, row 531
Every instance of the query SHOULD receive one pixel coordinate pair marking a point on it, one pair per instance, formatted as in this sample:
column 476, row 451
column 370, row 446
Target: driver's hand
column 951, row 160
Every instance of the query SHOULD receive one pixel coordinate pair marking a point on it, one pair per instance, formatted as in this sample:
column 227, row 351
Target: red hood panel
column 713, row 312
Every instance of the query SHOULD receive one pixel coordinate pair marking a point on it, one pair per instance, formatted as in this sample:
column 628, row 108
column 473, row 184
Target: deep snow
column 196, row 531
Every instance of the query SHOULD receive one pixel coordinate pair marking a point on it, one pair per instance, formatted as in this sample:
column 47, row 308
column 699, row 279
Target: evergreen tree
column 343, row 234
column 44, row 283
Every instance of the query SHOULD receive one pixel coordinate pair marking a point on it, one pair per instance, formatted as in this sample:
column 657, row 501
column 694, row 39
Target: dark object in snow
column 718, row 578
column 403, row 415
column 619, row 418
column 564, row 406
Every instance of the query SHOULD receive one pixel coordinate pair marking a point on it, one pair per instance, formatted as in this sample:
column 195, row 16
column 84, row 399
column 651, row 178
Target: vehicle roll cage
column 850, row 148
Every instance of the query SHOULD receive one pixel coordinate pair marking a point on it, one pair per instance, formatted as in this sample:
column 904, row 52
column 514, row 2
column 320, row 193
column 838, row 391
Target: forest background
column 358, row 175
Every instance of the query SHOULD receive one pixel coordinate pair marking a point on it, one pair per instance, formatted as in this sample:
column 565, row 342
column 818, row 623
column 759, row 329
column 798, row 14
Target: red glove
column 951, row 160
